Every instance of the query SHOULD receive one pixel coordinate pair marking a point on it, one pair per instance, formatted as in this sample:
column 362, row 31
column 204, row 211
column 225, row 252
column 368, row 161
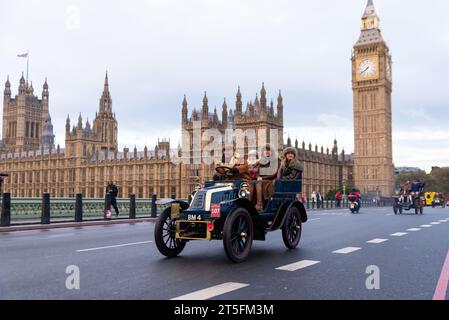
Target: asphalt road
column 122, row 262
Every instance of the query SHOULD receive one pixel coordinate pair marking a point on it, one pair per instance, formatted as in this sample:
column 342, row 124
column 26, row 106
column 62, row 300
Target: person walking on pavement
column 113, row 190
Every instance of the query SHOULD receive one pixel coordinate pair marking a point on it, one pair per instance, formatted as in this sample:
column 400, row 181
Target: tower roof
column 370, row 10
column 370, row 26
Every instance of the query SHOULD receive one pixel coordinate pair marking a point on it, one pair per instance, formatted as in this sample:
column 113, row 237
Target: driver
column 231, row 159
column 356, row 194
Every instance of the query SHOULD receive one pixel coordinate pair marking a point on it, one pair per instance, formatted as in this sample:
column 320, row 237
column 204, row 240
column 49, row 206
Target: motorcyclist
column 355, row 193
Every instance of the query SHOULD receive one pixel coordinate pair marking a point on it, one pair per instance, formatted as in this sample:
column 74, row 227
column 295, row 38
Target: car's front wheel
column 238, row 235
column 165, row 236
column 291, row 231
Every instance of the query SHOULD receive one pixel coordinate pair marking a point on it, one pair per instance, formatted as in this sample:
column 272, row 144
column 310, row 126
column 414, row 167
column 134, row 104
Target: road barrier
column 52, row 210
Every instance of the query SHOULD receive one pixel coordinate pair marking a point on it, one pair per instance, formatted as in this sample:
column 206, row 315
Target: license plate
column 352, row 206
column 215, row 211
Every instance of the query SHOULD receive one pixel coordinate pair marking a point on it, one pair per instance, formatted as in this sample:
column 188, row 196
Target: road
column 122, row 262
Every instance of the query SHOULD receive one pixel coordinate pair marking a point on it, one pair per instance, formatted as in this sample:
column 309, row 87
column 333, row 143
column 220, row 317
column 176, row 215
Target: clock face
column 367, row 68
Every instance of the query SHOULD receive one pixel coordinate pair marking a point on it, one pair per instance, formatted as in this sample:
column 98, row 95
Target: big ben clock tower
column 372, row 87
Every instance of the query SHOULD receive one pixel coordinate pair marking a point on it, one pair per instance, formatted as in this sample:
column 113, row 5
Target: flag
column 25, row 55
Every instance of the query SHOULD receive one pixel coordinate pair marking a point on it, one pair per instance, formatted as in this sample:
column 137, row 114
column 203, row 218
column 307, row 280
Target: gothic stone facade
column 372, row 86
column 323, row 171
column 91, row 157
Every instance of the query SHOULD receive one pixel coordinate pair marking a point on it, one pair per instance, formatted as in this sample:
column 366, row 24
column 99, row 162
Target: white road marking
column 398, row 234
column 347, row 250
column 414, row 229
column 443, row 221
column 435, row 223
column 314, row 219
column 298, row 265
column 390, row 214
column 116, row 246
column 212, row 291
column 426, row 226
column 377, row 241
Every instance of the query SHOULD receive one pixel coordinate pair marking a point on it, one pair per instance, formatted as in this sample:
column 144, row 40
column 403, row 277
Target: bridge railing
column 51, row 210
column 47, row 210
column 344, row 203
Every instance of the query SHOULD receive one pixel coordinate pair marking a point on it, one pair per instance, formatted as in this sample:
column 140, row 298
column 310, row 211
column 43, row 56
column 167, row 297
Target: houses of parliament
column 90, row 158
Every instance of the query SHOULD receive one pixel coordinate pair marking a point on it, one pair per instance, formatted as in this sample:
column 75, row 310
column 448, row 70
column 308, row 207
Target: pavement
column 339, row 254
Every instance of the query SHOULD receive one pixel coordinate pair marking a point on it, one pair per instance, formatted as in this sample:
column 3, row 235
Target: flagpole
column 28, row 63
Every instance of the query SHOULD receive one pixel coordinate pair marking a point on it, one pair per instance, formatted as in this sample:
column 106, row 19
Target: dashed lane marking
column 414, row 229
column 377, row 241
column 426, row 226
column 298, row 265
column 398, row 234
column 212, row 291
column 443, row 221
column 316, row 219
column 435, row 223
column 115, row 246
column 347, row 250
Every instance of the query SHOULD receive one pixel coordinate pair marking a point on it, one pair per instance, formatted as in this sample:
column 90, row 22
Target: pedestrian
column 313, row 199
column 338, row 198
column 319, row 199
column 113, row 191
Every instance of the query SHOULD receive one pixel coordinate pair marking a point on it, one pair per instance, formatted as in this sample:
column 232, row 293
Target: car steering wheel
column 224, row 171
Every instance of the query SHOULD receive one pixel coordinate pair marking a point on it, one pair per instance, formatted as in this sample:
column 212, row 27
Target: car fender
column 301, row 209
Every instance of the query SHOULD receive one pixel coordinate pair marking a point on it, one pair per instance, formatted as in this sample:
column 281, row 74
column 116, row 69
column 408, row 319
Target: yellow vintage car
column 430, row 196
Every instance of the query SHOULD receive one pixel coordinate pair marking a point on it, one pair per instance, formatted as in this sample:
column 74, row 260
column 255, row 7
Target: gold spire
column 370, row 19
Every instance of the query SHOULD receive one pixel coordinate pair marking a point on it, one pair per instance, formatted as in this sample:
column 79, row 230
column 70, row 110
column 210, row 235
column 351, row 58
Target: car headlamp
column 244, row 191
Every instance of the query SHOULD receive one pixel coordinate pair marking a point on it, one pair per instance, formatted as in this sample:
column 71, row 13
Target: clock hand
column 365, row 70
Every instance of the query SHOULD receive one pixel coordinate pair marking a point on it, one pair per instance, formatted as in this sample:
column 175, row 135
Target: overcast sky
column 158, row 50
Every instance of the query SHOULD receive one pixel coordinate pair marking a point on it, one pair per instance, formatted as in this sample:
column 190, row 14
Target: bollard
column 6, row 210
column 132, row 206
column 153, row 207
column 107, row 206
column 79, row 208
column 45, row 217
column 327, row 204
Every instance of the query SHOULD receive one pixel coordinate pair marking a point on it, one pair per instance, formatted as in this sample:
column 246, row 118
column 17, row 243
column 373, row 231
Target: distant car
column 437, row 202
column 402, row 203
column 222, row 211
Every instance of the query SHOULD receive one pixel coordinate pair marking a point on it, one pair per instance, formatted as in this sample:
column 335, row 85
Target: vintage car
column 403, row 202
column 439, row 201
column 222, row 211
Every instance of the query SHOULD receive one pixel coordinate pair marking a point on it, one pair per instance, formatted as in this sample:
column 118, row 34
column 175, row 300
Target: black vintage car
column 402, row 202
column 222, row 211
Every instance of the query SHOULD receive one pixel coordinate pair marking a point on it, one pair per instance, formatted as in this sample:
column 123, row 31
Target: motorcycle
column 354, row 204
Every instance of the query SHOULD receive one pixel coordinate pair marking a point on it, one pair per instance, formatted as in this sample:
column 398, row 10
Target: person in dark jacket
column 291, row 167
column 113, row 190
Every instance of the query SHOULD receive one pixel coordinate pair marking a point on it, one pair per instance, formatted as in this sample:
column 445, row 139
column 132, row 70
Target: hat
column 290, row 150
column 252, row 153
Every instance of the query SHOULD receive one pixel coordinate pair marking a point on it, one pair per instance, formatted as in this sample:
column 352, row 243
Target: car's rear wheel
column 291, row 231
column 238, row 235
column 165, row 236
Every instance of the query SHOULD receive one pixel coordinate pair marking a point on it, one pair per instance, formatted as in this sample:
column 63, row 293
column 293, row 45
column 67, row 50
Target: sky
column 156, row 51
